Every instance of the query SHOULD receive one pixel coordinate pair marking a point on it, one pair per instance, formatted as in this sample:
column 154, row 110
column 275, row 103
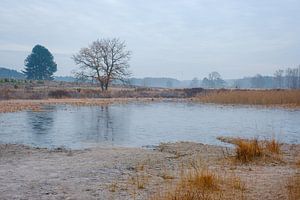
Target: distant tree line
column 10, row 74
column 288, row 78
column 213, row 80
column 106, row 61
column 282, row 79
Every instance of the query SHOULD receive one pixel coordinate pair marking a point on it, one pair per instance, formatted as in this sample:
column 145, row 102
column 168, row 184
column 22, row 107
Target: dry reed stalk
column 248, row 150
column 273, row 146
column 289, row 98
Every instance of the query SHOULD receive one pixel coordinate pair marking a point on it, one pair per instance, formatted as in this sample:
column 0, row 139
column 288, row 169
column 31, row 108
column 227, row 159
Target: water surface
column 142, row 124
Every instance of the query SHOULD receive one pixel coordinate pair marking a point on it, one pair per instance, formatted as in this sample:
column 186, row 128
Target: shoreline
column 17, row 105
column 133, row 173
column 35, row 105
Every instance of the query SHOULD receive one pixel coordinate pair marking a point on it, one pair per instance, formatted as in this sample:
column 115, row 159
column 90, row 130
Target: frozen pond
column 142, row 124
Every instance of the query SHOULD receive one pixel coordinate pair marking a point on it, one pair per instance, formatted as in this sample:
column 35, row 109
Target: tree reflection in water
column 41, row 124
column 103, row 124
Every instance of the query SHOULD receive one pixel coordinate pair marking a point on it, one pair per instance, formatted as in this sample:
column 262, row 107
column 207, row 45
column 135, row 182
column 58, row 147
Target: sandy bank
column 35, row 105
column 131, row 173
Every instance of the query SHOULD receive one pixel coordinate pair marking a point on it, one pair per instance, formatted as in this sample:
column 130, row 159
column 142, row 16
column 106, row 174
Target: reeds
column 250, row 150
column 273, row 146
column 289, row 98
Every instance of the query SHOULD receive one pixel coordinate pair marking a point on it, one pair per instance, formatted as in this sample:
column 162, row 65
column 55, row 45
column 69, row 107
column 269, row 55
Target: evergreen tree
column 40, row 65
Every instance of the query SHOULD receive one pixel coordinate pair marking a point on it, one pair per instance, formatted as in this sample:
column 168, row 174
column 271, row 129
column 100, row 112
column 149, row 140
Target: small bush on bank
column 59, row 94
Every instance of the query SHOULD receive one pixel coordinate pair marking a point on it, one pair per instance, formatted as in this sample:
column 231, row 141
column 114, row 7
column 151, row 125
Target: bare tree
column 215, row 80
column 279, row 78
column 291, row 77
column 104, row 60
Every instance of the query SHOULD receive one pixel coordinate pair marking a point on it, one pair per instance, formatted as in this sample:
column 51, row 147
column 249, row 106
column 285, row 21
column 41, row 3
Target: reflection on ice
column 145, row 124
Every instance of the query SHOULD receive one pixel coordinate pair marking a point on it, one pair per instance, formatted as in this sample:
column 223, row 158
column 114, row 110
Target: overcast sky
column 168, row 38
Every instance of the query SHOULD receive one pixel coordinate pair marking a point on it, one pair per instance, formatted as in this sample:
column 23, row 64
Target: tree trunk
column 102, row 86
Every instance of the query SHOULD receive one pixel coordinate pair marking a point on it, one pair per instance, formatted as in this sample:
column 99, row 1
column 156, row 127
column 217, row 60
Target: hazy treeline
column 11, row 74
column 283, row 78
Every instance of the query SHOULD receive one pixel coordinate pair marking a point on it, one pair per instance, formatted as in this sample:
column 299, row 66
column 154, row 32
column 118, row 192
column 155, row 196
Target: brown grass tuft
column 252, row 150
column 202, row 184
column 248, row 150
column 194, row 185
column 273, row 146
column 202, row 180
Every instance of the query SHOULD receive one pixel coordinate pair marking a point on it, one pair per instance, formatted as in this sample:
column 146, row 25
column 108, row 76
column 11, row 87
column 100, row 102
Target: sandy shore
column 19, row 105
column 36, row 105
column 132, row 173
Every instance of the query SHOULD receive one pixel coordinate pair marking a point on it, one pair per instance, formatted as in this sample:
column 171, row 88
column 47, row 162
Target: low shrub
column 59, row 94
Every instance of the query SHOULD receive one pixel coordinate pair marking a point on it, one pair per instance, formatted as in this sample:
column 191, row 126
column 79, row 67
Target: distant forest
column 288, row 78
column 10, row 74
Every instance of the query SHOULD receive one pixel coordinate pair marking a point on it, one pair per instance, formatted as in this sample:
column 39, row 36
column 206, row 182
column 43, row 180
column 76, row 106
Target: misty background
column 171, row 38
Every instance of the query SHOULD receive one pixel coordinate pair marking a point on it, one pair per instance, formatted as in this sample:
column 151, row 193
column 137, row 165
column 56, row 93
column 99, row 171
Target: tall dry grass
column 252, row 97
column 252, row 150
column 248, row 150
column 273, row 146
column 195, row 185
column 202, row 184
